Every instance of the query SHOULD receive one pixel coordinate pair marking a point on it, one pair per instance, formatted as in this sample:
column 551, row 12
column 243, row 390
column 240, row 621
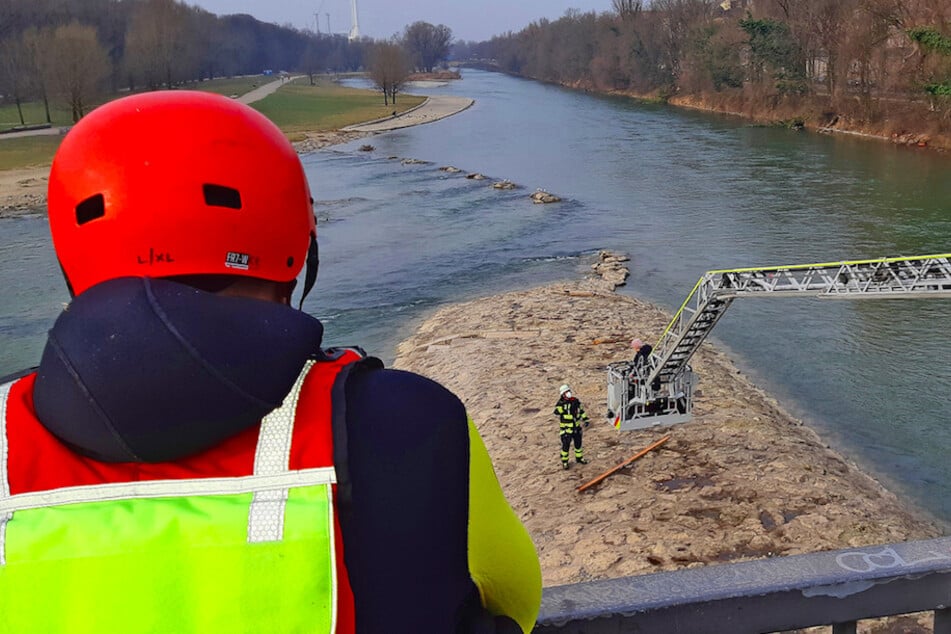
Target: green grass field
column 296, row 107
column 28, row 151
column 299, row 107
column 33, row 114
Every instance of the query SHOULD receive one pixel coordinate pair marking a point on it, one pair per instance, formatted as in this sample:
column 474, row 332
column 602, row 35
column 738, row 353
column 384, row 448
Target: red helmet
column 178, row 183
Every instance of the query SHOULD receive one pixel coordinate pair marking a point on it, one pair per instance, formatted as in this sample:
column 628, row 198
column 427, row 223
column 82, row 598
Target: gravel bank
column 744, row 480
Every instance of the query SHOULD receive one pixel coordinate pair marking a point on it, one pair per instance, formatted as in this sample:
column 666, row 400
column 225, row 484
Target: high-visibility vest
column 251, row 553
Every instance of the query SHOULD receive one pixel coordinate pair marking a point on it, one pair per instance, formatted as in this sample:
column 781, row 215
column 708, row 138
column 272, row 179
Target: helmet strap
column 310, row 276
column 69, row 285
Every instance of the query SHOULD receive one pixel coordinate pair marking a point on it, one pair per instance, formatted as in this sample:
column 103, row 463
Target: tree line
column 76, row 51
column 854, row 55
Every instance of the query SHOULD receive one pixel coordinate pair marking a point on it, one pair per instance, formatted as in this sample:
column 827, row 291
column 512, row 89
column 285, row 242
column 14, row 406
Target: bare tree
column 823, row 30
column 40, row 49
column 427, row 44
column 313, row 59
column 870, row 29
column 82, row 65
column 201, row 37
column 627, row 8
column 156, row 43
column 10, row 17
column 389, row 67
column 14, row 72
column 680, row 21
column 571, row 45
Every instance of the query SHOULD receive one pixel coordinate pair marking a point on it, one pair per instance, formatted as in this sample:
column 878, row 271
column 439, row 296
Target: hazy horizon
column 380, row 19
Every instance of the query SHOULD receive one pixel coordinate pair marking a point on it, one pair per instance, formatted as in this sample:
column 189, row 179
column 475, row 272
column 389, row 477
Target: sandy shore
column 744, row 480
column 433, row 109
column 23, row 191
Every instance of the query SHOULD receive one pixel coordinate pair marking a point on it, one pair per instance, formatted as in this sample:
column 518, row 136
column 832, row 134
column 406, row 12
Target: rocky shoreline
column 23, row 191
column 743, row 480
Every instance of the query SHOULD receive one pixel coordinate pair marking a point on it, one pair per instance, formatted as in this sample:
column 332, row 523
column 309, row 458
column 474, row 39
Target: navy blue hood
column 150, row 370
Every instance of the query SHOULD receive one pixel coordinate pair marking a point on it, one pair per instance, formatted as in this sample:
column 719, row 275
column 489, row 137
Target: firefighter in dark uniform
column 571, row 416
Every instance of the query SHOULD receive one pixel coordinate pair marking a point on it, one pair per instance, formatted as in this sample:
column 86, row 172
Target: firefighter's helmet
column 173, row 183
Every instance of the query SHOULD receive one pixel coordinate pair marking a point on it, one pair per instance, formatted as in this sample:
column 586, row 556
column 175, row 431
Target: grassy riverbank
column 296, row 108
column 26, row 152
column 299, row 107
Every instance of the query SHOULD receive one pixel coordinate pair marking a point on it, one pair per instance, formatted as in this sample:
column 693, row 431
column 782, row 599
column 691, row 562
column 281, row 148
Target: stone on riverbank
column 610, row 266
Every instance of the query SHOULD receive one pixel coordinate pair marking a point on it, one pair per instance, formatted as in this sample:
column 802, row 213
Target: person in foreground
column 187, row 458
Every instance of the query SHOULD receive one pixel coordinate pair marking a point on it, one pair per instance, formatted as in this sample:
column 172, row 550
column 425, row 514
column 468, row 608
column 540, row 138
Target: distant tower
column 354, row 23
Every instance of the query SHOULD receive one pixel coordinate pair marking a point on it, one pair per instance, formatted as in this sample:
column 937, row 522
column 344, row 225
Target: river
column 681, row 192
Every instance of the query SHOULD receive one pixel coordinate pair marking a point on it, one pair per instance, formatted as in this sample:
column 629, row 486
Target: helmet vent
column 90, row 209
column 221, row 196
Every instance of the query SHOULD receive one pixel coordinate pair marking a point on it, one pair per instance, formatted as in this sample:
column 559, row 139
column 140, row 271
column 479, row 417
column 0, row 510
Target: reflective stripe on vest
column 4, row 478
column 242, row 554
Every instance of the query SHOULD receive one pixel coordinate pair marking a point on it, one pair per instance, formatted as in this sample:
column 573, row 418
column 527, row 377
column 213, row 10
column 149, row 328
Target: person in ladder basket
column 640, row 364
column 187, row 458
column 571, row 416
column 642, row 353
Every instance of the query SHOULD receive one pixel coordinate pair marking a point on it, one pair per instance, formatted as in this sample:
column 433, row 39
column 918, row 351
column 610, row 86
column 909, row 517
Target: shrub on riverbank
column 896, row 120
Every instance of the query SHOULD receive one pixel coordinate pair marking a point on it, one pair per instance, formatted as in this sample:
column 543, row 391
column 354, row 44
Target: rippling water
column 680, row 192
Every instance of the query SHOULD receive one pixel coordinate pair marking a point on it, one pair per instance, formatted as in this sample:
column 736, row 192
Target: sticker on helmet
column 237, row 260
column 154, row 257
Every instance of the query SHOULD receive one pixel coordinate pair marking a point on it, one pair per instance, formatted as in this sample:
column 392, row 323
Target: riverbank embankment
column 901, row 126
column 743, row 480
column 23, row 191
column 897, row 121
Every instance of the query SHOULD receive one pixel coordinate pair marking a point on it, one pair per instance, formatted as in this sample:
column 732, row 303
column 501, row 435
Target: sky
column 474, row 20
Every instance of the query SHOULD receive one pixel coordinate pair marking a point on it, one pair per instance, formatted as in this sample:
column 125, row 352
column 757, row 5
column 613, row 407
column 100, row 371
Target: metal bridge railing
column 835, row 588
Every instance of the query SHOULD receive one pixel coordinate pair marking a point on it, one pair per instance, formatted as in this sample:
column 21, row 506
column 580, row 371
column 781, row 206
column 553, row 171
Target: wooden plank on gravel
column 640, row 453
